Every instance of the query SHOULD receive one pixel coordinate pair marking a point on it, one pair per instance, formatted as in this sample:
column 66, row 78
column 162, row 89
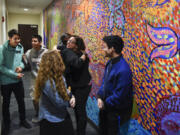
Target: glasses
column 71, row 41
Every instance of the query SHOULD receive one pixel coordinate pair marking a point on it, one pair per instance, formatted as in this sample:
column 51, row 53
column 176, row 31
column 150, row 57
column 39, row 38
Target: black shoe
column 5, row 131
column 25, row 124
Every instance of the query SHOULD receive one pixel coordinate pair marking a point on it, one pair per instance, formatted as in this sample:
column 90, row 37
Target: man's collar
column 116, row 59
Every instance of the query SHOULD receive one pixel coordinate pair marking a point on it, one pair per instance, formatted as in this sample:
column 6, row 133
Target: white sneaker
column 35, row 120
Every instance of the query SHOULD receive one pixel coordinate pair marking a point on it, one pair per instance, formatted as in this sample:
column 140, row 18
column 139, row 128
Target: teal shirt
column 10, row 59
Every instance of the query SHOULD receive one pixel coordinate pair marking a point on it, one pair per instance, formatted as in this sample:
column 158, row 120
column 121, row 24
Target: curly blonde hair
column 51, row 68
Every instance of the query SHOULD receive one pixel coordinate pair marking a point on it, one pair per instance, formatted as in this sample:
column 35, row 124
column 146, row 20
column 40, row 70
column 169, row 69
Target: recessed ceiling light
column 26, row 9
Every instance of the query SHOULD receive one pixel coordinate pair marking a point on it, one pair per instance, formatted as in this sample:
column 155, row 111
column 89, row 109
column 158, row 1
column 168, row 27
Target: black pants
column 18, row 90
column 108, row 122
column 81, row 95
column 61, row 128
column 110, row 119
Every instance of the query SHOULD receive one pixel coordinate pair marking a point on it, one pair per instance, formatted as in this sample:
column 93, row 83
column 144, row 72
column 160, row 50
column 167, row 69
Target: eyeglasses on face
column 71, row 41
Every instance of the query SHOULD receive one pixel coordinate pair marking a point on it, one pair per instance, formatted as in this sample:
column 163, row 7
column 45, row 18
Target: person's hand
column 24, row 56
column 72, row 101
column 83, row 57
column 18, row 70
column 100, row 103
column 38, row 63
column 20, row 75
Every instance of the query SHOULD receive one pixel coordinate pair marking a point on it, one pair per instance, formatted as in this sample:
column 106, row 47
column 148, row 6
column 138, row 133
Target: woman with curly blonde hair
column 52, row 96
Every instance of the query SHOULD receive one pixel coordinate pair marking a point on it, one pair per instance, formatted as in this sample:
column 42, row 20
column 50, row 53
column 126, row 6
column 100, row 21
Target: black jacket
column 77, row 71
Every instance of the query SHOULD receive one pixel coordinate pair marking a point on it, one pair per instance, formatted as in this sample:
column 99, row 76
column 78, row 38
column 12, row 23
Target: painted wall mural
column 151, row 31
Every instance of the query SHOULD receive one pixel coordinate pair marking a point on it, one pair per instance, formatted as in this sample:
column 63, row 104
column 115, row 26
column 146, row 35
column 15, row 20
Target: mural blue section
column 92, row 110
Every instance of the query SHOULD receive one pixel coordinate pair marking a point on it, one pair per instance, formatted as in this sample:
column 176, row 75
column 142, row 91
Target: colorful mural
column 151, row 31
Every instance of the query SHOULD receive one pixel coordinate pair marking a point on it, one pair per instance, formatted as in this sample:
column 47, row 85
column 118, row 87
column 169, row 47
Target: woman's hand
column 72, row 101
column 100, row 104
column 83, row 57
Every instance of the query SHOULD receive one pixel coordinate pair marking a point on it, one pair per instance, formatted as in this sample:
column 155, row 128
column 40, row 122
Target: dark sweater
column 77, row 71
column 116, row 89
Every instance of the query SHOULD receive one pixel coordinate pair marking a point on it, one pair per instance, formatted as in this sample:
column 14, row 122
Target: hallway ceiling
column 34, row 6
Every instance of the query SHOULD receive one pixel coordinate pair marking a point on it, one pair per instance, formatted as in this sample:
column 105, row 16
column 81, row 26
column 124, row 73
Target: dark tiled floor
column 16, row 130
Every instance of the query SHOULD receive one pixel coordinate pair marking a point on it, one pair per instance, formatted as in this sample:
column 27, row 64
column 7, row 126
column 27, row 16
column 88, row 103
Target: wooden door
column 26, row 31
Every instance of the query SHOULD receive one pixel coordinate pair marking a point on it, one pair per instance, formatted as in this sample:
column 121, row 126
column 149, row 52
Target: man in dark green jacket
column 11, row 78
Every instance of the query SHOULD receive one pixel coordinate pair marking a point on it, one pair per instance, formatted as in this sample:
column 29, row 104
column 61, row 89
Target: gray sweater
column 33, row 58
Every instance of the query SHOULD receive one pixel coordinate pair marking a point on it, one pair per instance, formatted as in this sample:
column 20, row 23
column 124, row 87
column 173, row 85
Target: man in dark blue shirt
column 115, row 93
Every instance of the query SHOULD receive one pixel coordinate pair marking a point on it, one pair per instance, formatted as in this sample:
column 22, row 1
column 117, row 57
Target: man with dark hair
column 115, row 93
column 11, row 78
column 32, row 58
column 13, row 32
column 64, row 38
column 38, row 37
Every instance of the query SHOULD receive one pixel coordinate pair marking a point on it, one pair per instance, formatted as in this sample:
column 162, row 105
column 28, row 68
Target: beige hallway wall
column 3, row 24
column 2, row 39
column 15, row 19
